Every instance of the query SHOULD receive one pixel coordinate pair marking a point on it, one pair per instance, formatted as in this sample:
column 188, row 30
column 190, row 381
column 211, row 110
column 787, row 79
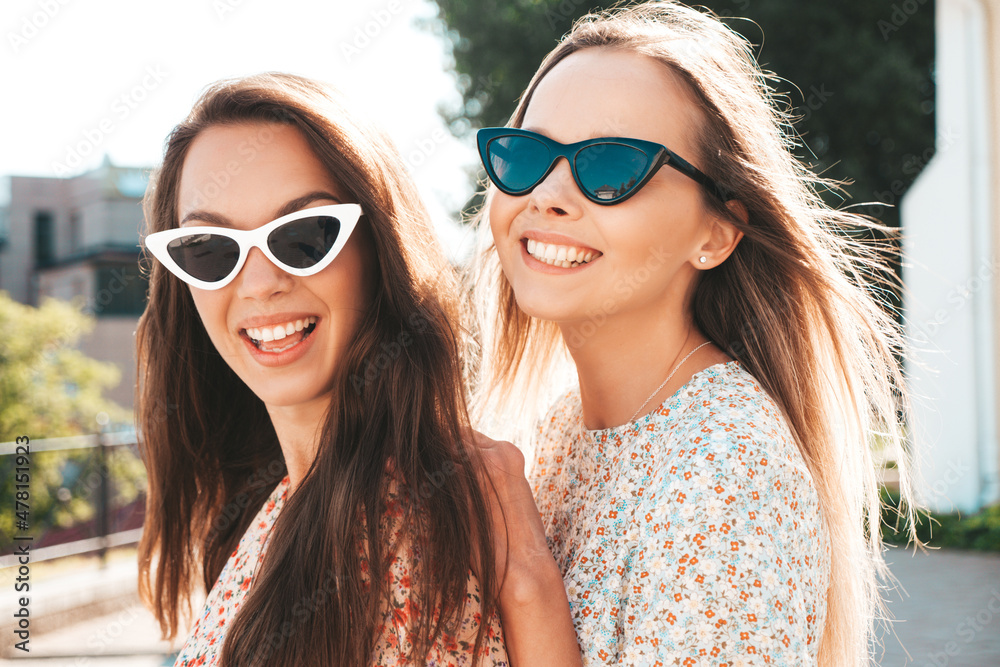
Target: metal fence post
column 103, row 502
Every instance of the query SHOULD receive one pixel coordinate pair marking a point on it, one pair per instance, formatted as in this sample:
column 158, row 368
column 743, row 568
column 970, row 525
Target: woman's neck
column 298, row 428
column 622, row 360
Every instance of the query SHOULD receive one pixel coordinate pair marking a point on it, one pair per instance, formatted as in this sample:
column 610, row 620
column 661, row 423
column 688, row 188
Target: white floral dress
column 692, row 536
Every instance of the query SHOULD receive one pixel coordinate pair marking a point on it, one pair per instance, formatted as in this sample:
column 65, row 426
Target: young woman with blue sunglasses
column 706, row 490
column 311, row 469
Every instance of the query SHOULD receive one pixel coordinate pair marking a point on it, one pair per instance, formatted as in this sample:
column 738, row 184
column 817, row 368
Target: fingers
column 499, row 455
column 482, row 440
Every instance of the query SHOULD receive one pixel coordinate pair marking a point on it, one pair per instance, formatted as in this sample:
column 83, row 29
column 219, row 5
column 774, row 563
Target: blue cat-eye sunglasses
column 608, row 170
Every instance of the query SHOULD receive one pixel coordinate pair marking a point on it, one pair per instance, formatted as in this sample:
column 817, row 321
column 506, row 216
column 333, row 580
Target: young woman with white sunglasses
column 311, row 469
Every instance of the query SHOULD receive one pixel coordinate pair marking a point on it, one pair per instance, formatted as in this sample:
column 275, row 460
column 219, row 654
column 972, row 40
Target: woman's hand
column 537, row 625
column 519, row 536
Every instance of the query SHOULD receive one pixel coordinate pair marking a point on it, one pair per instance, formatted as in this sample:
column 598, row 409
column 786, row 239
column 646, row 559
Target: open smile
column 559, row 255
column 279, row 341
column 279, row 337
column 546, row 255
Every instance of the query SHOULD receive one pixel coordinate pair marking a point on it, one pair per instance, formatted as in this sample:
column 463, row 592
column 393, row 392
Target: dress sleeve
column 730, row 564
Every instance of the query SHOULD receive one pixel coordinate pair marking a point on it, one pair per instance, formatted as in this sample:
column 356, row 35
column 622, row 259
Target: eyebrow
column 289, row 207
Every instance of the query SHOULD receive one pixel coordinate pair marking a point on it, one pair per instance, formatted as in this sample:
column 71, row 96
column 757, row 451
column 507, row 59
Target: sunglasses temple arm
column 685, row 167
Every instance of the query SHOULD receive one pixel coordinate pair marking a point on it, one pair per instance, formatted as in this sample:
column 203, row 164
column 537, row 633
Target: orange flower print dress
column 204, row 645
column 692, row 536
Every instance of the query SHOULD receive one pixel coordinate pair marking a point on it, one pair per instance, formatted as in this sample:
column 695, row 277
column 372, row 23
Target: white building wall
column 950, row 270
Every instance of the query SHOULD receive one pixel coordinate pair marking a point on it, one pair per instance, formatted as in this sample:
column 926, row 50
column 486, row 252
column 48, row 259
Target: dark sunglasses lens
column 518, row 162
column 207, row 257
column 610, row 171
column 304, row 242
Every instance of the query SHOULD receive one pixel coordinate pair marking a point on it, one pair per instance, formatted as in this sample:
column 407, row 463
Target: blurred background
column 898, row 101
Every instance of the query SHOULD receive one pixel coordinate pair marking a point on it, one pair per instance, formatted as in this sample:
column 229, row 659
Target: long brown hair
column 793, row 303
column 213, row 456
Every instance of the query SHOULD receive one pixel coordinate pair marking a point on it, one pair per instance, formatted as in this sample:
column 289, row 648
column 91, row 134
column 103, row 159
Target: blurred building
column 951, row 241
column 77, row 239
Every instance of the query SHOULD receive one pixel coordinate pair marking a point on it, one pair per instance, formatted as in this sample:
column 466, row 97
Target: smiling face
column 641, row 255
column 283, row 335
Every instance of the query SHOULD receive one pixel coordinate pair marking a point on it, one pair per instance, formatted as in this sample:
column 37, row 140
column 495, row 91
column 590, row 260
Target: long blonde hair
column 797, row 303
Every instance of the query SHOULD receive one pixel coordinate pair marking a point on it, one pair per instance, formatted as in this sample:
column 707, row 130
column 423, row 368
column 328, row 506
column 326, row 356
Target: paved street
column 87, row 617
column 952, row 615
column 950, row 619
column 126, row 638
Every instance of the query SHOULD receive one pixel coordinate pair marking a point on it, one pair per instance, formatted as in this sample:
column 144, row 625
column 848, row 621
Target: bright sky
column 85, row 78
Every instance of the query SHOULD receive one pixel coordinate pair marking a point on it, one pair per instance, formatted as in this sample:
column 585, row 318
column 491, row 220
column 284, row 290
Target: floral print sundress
column 204, row 644
column 691, row 536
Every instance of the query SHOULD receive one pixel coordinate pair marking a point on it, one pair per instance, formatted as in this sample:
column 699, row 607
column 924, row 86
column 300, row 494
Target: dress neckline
column 714, row 370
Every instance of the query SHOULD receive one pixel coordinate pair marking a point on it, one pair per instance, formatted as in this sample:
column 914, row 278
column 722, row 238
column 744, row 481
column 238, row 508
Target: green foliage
column 48, row 388
column 980, row 531
column 857, row 73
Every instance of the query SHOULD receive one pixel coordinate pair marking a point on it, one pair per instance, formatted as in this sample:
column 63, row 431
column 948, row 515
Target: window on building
column 74, row 231
column 119, row 290
column 45, row 238
column 4, row 225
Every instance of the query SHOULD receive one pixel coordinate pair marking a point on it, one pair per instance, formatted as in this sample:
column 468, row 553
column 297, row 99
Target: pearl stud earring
column 703, row 259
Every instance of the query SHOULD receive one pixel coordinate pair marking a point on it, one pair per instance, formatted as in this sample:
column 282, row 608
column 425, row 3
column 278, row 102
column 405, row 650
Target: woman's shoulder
column 723, row 406
column 724, row 391
column 735, row 446
column 724, row 431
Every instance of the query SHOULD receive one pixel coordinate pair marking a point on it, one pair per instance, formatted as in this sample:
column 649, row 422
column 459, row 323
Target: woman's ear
column 723, row 238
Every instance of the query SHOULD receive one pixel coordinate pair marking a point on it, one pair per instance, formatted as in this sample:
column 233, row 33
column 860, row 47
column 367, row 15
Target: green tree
column 857, row 73
column 49, row 389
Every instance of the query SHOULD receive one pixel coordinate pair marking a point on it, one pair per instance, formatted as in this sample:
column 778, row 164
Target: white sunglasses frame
column 348, row 214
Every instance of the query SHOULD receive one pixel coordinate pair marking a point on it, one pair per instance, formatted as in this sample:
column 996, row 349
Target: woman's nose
column 261, row 279
column 558, row 193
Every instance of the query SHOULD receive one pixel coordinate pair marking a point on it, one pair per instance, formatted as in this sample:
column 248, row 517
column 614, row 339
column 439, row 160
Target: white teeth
column 278, row 331
column 559, row 255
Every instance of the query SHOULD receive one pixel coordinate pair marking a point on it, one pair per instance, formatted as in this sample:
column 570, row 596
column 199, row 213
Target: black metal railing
column 86, row 494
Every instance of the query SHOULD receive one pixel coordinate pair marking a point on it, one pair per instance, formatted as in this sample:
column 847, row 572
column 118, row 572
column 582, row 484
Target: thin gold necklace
column 664, row 383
